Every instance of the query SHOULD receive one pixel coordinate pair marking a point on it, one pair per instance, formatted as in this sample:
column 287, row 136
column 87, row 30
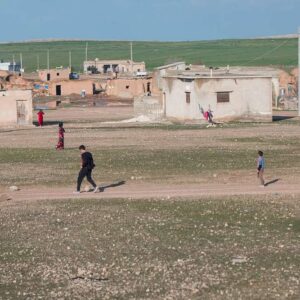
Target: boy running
column 261, row 168
column 87, row 166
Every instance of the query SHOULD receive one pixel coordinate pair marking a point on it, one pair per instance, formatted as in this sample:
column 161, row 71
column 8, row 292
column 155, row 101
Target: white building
column 113, row 66
column 229, row 96
column 10, row 67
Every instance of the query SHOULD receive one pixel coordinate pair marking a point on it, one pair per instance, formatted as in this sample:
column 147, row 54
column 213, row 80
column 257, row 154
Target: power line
column 267, row 53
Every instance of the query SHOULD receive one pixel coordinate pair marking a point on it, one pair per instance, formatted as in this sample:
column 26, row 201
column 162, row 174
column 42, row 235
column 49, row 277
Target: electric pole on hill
column 21, row 62
column 70, row 60
column 38, row 62
column 48, row 60
column 14, row 64
column 299, row 71
column 131, row 56
column 86, row 54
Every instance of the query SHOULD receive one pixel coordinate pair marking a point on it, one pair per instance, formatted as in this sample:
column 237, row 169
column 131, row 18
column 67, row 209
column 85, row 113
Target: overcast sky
column 147, row 19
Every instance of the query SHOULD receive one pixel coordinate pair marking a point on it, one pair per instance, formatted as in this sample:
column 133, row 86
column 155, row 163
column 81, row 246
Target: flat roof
column 215, row 76
column 113, row 61
column 170, row 65
column 54, row 69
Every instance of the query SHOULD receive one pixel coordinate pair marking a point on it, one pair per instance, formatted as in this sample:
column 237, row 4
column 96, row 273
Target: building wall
column 123, row 66
column 128, row 88
column 160, row 72
column 69, row 87
column 250, row 98
column 55, row 74
column 8, row 107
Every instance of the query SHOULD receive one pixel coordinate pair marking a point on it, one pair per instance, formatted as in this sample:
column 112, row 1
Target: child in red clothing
column 208, row 116
column 40, row 118
column 61, row 137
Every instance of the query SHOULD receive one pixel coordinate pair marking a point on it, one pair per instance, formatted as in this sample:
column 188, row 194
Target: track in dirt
column 151, row 191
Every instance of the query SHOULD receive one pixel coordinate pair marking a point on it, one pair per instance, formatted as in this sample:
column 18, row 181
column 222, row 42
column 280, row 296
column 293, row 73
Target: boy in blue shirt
column 261, row 168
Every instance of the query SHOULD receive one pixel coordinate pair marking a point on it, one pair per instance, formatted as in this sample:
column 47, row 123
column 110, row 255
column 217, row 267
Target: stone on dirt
column 14, row 188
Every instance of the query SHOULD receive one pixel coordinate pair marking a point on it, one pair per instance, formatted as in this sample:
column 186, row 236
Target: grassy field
column 230, row 248
column 192, row 247
column 169, row 153
column 262, row 52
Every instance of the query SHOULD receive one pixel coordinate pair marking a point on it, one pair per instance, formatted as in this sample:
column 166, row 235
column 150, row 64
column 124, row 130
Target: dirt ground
column 139, row 239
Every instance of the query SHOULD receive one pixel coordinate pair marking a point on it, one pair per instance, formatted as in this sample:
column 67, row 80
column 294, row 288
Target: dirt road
column 148, row 191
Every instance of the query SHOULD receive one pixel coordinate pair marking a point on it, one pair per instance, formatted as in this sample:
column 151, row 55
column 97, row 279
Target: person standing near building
column 87, row 166
column 261, row 168
column 61, row 137
column 40, row 115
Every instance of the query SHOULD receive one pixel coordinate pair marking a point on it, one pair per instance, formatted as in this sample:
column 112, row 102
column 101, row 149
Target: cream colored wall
column 136, row 87
column 249, row 98
column 124, row 67
column 69, row 87
column 63, row 74
column 8, row 106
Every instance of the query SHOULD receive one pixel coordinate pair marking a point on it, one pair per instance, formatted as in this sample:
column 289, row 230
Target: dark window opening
column 127, row 87
column 115, row 68
column 106, row 68
column 48, row 77
column 188, row 97
column 57, row 74
column 223, row 97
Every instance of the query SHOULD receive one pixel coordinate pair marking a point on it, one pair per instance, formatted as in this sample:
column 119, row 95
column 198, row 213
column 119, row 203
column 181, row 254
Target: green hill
column 255, row 52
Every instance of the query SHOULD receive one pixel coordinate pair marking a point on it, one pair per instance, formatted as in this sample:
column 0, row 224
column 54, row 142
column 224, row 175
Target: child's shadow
column 272, row 182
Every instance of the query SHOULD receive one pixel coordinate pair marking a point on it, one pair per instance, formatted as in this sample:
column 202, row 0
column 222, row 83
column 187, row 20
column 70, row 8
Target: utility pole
column 299, row 71
column 131, row 56
column 48, row 60
column 86, row 54
column 14, row 63
column 38, row 62
column 21, row 61
column 70, row 60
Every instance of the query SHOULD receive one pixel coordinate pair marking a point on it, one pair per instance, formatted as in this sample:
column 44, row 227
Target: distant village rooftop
column 172, row 65
column 215, row 75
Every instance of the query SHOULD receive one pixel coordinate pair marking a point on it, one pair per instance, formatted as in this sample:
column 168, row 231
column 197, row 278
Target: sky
column 163, row 20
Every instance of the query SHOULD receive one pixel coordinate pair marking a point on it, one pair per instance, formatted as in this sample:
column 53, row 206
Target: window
column 57, row 74
column 188, row 97
column 127, row 87
column 223, row 97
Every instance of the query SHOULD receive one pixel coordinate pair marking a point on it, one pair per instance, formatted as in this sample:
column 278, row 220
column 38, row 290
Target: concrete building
column 230, row 96
column 129, row 87
column 162, row 71
column 113, row 66
column 54, row 74
column 15, row 107
column 10, row 66
column 67, row 87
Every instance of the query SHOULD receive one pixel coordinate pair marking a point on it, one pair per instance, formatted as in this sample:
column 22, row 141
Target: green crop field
column 260, row 52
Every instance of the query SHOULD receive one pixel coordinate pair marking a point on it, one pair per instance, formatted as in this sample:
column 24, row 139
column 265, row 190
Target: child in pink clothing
column 61, row 137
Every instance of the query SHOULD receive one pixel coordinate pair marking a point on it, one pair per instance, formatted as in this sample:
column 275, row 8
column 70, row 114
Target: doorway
column 58, row 90
column 21, row 112
column 149, row 88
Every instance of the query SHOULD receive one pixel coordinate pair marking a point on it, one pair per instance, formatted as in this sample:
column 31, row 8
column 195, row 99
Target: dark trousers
column 85, row 172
